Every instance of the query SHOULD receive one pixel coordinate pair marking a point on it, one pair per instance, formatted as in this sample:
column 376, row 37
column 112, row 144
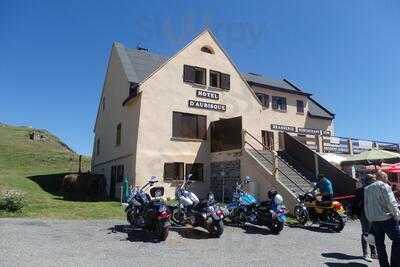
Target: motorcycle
column 149, row 211
column 244, row 208
column 330, row 214
column 190, row 210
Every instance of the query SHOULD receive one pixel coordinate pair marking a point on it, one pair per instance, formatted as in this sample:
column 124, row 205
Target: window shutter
column 176, row 125
column 283, row 103
column 189, row 74
column 202, row 127
column 169, row 169
column 225, row 81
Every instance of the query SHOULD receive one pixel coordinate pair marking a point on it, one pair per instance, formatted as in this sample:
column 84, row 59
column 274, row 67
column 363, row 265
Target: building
column 195, row 112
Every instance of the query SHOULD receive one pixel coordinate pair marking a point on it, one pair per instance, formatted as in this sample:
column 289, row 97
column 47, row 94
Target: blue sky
column 53, row 55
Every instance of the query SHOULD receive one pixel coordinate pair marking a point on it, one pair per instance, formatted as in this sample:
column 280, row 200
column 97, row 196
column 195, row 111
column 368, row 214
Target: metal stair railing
column 297, row 164
column 244, row 132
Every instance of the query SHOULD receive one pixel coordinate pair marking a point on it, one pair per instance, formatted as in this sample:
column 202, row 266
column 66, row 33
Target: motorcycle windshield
column 248, row 199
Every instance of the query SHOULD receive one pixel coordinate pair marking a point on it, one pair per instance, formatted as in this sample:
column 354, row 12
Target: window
column 215, row 79
column 207, row 49
column 194, row 75
column 264, row 99
column 98, row 146
column 300, row 106
column 196, row 169
column 279, row 103
column 219, row 80
column 173, row 171
column 185, row 125
column 118, row 137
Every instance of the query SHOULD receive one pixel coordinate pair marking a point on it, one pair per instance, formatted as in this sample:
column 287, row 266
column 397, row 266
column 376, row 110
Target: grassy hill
column 36, row 167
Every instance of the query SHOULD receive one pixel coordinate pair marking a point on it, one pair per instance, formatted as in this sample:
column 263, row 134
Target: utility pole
column 80, row 164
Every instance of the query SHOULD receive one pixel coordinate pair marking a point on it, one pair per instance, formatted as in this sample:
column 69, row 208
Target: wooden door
column 268, row 139
column 281, row 141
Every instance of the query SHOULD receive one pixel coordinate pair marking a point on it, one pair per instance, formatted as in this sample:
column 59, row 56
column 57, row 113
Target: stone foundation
column 224, row 175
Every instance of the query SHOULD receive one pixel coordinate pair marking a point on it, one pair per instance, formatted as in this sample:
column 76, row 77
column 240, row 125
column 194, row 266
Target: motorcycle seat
column 325, row 204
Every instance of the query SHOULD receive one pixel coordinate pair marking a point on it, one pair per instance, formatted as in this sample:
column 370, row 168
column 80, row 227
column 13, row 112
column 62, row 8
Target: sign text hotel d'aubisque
column 206, row 105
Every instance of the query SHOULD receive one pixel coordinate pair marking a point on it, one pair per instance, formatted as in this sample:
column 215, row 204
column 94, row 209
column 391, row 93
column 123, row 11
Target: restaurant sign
column 205, row 94
column 313, row 131
column 206, row 105
column 284, row 128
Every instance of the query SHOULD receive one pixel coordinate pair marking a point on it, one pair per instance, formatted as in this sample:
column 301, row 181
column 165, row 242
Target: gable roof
column 315, row 109
column 140, row 64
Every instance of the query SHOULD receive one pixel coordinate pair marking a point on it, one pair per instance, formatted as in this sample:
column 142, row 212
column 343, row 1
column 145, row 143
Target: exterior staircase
column 285, row 173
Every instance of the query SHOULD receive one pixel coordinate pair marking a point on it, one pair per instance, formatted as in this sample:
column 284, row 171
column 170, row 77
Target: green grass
column 36, row 168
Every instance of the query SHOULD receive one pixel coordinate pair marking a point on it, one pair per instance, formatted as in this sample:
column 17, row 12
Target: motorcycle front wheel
column 177, row 216
column 163, row 233
column 301, row 215
column 217, row 228
column 276, row 226
column 130, row 219
column 338, row 222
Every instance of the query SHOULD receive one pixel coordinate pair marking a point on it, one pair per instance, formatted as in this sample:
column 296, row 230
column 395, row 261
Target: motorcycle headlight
column 210, row 197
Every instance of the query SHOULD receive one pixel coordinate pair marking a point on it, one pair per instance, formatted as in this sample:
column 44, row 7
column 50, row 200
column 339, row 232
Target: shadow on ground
column 191, row 233
column 134, row 235
column 348, row 264
column 311, row 228
column 250, row 228
column 51, row 183
column 342, row 256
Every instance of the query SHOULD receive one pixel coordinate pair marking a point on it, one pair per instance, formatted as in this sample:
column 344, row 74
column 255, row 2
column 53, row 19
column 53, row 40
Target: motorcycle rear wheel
column 338, row 221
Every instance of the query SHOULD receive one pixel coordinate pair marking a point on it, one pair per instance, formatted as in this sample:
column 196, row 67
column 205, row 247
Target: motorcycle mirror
column 153, row 179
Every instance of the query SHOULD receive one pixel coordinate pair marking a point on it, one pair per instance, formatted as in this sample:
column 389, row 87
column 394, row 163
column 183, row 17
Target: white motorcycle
column 190, row 210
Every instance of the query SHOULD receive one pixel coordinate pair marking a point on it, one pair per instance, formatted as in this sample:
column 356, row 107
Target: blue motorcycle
column 245, row 208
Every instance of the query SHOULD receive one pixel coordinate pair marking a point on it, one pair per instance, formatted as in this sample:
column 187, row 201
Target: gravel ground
column 28, row 242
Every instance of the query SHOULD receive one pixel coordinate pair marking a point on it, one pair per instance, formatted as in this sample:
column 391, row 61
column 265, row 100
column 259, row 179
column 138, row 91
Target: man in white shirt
column 381, row 209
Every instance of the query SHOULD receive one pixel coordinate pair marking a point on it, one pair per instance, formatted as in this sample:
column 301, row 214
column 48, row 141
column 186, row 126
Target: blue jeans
column 392, row 230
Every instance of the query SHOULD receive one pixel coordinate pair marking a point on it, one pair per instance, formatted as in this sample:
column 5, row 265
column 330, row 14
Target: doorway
column 113, row 181
column 268, row 139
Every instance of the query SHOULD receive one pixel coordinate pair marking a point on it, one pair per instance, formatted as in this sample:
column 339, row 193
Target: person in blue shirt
column 325, row 188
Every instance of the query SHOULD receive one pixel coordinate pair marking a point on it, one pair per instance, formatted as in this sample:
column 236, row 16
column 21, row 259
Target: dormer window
column 207, row 49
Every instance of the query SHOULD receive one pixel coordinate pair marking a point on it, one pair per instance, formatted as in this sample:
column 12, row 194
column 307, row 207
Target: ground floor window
column 196, row 169
column 177, row 171
column 174, row 171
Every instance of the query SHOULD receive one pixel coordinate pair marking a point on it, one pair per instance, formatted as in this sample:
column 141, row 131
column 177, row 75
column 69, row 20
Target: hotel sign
column 205, row 94
column 284, row 128
column 206, row 105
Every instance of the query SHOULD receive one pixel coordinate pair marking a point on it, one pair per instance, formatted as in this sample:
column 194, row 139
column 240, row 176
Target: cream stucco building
column 190, row 113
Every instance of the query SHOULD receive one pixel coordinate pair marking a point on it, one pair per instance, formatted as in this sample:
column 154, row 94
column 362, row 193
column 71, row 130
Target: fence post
column 274, row 165
column 316, row 164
